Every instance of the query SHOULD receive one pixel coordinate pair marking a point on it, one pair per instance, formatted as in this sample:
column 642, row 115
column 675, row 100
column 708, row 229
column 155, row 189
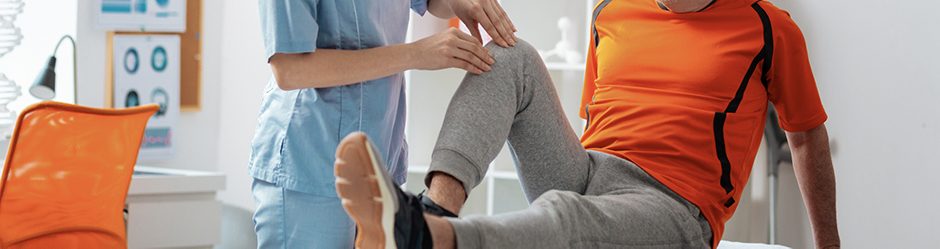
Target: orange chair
column 66, row 176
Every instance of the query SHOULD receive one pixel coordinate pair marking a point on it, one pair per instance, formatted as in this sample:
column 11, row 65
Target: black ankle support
column 411, row 229
column 432, row 208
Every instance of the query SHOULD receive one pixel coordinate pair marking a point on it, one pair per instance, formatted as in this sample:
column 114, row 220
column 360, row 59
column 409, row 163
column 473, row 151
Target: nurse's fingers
column 473, row 26
column 484, row 19
column 458, row 63
column 465, row 52
column 500, row 21
column 469, row 43
column 473, row 59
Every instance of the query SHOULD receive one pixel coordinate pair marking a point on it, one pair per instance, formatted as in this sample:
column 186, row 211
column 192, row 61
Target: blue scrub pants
column 290, row 219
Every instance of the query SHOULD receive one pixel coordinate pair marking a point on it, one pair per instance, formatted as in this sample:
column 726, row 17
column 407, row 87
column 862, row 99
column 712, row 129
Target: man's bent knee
column 523, row 52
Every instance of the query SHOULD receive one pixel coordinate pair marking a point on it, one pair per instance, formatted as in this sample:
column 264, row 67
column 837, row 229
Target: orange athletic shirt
column 684, row 96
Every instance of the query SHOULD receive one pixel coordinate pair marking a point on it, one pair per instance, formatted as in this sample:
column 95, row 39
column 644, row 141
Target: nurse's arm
column 440, row 9
column 332, row 67
column 812, row 164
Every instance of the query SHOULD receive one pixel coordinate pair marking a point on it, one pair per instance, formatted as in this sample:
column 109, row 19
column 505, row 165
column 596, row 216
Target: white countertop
column 153, row 180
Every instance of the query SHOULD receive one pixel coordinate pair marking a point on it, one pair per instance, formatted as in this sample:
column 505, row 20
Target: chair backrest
column 66, row 176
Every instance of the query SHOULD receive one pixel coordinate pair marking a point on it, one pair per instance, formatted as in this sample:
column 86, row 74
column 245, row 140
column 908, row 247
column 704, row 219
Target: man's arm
column 813, row 166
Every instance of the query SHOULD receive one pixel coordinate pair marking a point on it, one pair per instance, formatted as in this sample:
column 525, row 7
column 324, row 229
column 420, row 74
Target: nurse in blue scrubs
column 337, row 68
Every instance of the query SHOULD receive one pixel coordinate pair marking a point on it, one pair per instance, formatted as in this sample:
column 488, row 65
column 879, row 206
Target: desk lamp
column 44, row 87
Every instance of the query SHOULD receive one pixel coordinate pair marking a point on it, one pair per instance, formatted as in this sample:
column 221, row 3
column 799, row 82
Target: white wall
column 244, row 74
column 877, row 69
column 91, row 56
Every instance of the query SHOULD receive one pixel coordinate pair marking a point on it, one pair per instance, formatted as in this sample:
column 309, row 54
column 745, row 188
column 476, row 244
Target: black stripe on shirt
column 764, row 55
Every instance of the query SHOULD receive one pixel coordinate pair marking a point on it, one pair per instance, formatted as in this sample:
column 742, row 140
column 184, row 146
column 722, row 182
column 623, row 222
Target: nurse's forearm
column 440, row 9
column 332, row 67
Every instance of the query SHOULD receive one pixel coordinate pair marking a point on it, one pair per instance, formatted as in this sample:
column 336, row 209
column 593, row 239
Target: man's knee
column 520, row 54
column 520, row 63
column 519, row 68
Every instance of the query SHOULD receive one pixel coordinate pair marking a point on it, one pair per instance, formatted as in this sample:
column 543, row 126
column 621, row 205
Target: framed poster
column 145, row 69
column 141, row 15
column 190, row 57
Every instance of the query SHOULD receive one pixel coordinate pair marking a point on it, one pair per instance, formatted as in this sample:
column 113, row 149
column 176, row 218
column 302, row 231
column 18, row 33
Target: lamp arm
column 74, row 63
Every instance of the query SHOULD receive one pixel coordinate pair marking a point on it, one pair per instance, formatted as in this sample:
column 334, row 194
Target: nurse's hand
column 450, row 49
column 490, row 15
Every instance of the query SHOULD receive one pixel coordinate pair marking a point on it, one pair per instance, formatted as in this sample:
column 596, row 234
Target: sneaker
column 386, row 217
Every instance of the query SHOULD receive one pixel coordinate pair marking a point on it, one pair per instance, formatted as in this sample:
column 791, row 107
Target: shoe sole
column 365, row 192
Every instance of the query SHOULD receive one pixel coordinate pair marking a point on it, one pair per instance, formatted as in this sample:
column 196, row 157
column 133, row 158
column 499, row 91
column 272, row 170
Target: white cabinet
column 168, row 208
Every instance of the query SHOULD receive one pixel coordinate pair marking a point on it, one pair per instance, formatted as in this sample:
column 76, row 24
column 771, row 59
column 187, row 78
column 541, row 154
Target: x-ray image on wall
column 146, row 71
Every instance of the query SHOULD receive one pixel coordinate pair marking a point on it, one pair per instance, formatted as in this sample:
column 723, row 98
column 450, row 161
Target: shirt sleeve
column 419, row 6
column 590, row 75
column 289, row 26
column 791, row 86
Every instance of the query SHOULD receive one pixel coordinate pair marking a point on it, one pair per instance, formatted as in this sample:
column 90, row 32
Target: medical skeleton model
column 10, row 37
column 565, row 48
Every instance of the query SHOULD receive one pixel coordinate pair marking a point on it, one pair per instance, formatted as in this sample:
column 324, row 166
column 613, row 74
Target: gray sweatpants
column 579, row 198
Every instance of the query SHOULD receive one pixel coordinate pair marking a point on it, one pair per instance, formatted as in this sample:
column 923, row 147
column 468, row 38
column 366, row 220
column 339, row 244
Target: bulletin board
column 190, row 89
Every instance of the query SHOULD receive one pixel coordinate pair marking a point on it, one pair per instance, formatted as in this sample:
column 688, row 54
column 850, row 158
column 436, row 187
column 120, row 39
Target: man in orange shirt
column 675, row 96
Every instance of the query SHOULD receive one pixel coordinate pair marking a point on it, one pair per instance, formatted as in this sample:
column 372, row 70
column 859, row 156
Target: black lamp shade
column 44, row 87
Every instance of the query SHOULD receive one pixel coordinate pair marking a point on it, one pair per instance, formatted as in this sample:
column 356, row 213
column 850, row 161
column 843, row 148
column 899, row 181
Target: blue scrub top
column 295, row 142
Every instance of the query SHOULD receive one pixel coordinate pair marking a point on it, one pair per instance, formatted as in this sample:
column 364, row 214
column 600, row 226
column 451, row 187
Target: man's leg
column 514, row 101
column 563, row 219
column 622, row 208
column 518, row 101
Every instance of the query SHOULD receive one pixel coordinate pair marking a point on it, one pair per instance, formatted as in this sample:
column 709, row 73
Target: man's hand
column 490, row 15
column 450, row 49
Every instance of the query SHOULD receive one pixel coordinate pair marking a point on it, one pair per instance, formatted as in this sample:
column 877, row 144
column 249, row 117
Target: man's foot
column 386, row 217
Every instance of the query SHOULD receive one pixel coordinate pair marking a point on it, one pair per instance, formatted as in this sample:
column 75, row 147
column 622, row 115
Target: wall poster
column 146, row 70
